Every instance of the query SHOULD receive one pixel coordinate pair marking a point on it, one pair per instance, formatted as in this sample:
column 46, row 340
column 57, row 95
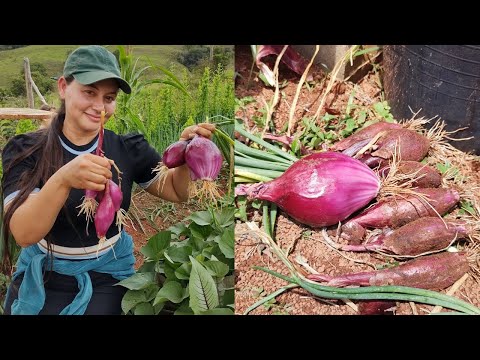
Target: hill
column 53, row 57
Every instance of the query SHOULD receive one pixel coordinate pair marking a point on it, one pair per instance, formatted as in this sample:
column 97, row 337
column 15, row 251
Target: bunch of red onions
column 109, row 200
column 204, row 160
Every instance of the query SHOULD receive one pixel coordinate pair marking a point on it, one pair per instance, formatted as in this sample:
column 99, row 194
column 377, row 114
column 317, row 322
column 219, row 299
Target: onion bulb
column 173, row 156
column 204, row 160
column 320, row 189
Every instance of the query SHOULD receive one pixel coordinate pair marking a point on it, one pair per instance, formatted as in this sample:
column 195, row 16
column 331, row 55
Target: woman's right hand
column 86, row 171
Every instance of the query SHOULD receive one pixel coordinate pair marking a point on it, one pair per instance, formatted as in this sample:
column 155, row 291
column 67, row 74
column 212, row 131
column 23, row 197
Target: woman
column 62, row 268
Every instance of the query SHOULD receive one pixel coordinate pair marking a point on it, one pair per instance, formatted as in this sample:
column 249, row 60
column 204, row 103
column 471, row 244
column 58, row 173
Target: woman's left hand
column 203, row 129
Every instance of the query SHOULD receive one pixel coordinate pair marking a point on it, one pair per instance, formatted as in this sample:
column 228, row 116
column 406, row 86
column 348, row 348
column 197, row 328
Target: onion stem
column 265, row 144
column 227, row 121
column 241, row 148
column 266, row 223
column 260, row 164
column 262, row 172
column 222, row 134
column 269, row 297
column 241, row 179
column 247, row 174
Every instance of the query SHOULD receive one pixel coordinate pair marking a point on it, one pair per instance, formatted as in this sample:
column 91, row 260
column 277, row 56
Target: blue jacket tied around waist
column 32, row 261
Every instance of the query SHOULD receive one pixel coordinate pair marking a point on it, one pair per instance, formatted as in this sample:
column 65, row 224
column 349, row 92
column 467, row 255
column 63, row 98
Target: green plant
column 188, row 269
column 40, row 77
column 164, row 209
column 240, row 104
column 24, row 126
column 382, row 110
column 466, row 207
column 7, row 129
column 352, row 119
column 5, row 281
column 127, row 120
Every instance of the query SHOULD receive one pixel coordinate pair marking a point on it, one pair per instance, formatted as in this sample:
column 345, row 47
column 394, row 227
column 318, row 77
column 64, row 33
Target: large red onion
column 320, row 189
column 203, row 158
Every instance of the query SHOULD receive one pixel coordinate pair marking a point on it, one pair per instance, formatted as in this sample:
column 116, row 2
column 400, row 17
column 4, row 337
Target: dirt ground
column 251, row 284
column 155, row 215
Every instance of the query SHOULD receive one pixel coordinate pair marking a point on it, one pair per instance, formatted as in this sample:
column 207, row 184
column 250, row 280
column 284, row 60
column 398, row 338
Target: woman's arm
column 175, row 188
column 33, row 219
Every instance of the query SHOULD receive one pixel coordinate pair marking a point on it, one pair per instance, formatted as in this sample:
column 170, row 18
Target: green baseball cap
column 89, row 64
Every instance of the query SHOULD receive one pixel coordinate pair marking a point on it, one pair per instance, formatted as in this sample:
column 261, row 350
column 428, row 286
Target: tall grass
column 161, row 111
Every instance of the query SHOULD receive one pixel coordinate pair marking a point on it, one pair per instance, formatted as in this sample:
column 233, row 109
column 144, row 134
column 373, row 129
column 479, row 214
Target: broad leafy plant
column 188, row 268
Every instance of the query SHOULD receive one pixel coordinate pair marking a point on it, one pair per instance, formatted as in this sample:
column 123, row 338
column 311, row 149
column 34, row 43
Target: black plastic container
column 441, row 80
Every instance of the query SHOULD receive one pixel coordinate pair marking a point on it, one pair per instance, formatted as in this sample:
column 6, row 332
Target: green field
column 53, row 57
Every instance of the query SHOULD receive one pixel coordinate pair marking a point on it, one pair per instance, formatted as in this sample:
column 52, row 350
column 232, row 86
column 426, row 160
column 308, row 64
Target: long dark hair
column 49, row 148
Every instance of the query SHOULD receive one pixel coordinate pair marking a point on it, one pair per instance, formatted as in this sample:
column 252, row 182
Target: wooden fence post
column 31, row 84
column 42, row 99
column 28, row 83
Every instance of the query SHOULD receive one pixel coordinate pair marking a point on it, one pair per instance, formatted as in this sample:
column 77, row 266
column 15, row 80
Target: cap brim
column 90, row 77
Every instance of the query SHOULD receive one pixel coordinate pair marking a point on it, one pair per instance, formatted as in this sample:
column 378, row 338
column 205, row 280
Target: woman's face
column 84, row 103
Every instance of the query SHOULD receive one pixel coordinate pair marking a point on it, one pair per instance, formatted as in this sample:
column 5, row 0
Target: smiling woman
column 62, row 268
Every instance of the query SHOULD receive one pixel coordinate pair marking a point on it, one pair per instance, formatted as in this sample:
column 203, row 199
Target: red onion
column 320, row 189
column 415, row 238
column 174, row 155
column 105, row 214
column 91, row 194
column 89, row 204
column 367, row 133
column 100, row 195
column 116, row 195
column 396, row 211
column 203, row 158
column 434, row 272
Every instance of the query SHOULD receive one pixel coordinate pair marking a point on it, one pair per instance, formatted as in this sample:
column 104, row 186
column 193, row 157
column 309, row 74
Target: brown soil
column 153, row 212
column 251, row 284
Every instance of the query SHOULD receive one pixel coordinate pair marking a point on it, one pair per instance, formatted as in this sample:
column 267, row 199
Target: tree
column 192, row 56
